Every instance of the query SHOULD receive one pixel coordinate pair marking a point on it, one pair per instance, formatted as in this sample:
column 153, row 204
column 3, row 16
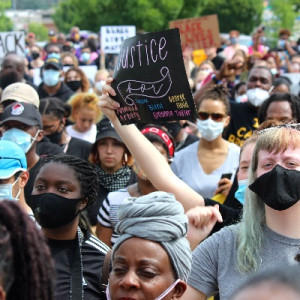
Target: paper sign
column 113, row 36
column 150, row 80
column 199, row 33
column 13, row 41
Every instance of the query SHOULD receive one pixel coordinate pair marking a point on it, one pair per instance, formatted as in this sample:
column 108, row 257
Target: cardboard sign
column 198, row 33
column 150, row 80
column 113, row 36
column 13, row 41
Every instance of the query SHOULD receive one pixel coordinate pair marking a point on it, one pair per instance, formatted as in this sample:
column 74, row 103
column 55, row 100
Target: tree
column 153, row 15
column 40, row 31
column 5, row 23
column 242, row 15
column 146, row 15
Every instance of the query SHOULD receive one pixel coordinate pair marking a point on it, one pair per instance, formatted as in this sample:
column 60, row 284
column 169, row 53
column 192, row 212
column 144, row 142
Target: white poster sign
column 13, row 41
column 113, row 36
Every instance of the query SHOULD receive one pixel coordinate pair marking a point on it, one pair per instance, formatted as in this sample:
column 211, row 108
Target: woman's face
column 72, row 76
column 279, row 110
column 84, row 119
column 141, row 271
column 58, row 179
column 289, row 159
column 68, row 60
column 111, row 153
column 51, row 124
column 216, row 110
column 245, row 160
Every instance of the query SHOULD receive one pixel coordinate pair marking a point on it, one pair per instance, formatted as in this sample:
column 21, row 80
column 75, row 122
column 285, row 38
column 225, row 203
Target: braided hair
column 85, row 173
column 26, row 269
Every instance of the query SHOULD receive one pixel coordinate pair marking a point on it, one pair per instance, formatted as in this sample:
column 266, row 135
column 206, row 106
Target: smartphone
column 226, row 175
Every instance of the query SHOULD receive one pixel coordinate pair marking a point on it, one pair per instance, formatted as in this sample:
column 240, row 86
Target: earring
column 125, row 158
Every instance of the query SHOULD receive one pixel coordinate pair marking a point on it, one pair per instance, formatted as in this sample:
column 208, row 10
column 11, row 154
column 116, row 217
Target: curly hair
column 85, row 100
column 279, row 97
column 218, row 92
column 26, row 267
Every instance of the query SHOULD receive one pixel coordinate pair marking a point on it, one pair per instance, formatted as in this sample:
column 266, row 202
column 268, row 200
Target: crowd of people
column 187, row 209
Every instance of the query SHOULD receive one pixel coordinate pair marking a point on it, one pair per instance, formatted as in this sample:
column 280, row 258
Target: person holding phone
column 202, row 164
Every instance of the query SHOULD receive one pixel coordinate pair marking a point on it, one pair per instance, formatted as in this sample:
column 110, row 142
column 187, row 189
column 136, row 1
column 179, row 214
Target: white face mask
column 160, row 297
column 257, row 96
column 6, row 191
column 210, row 129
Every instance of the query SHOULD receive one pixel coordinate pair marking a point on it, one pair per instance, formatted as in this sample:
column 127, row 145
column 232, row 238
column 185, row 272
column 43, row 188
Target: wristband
column 215, row 80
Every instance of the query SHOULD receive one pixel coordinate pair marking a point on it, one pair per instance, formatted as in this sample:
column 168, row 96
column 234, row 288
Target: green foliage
column 243, row 15
column 40, row 31
column 284, row 13
column 5, row 23
column 153, row 15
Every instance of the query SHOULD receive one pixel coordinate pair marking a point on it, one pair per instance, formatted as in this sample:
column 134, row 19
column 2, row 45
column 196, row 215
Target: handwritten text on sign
column 150, row 79
column 13, row 41
column 113, row 36
column 198, row 33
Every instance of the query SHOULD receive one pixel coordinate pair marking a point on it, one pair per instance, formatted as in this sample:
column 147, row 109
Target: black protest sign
column 150, row 80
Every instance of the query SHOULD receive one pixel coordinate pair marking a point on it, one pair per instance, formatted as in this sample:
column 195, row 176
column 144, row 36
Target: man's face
column 9, row 73
column 259, row 78
column 32, row 130
column 12, row 180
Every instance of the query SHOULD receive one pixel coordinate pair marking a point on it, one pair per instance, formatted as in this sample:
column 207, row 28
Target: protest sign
column 150, row 80
column 113, row 36
column 13, row 41
column 198, row 33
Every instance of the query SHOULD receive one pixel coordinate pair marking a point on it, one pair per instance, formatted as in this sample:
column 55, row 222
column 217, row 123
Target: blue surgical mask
column 19, row 137
column 241, row 98
column 54, row 55
column 51, row 77
column 85, row 56
column 233, row 41
column 6, row 191
column 210, row 129
column 240, row 192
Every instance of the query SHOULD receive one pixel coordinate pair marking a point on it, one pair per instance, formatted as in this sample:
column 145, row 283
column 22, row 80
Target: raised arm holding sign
column 150, row 80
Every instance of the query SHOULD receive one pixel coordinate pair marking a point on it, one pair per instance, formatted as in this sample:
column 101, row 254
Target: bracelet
column 215, row 80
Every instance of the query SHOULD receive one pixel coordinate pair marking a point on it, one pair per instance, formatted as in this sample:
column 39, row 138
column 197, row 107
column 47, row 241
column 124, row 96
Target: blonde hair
column 251, row 234
column 85, row 100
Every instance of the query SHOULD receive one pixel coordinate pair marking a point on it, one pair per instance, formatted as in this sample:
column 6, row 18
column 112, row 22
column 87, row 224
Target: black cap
column 105, row 130
column 54, row 62
column 25, row 113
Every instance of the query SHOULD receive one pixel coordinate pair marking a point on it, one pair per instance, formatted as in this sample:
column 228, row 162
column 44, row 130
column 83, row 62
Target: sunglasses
column 202, row 115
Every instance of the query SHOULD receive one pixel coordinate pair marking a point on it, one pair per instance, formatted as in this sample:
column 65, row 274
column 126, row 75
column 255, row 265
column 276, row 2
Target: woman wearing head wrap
column 152, row 257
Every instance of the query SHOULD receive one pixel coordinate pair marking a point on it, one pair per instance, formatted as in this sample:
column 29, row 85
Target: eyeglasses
column 202, row 115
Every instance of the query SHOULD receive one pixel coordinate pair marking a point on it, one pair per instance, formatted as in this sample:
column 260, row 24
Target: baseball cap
column 21, row 92
column 12, row 159
column 105, row 130
column 54, row 62
column 25, row 113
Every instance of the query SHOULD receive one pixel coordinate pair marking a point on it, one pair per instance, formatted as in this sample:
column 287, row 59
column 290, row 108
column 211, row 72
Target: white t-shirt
column 89, row 136
column 188, row 168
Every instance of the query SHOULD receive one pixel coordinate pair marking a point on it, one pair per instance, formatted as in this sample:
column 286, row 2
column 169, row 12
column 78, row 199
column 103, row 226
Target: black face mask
column 55, row 137
column 278, row 188
column 173, row 128
column 35, row 55
column 74, row 85
column 8, row 78
column 53, row 211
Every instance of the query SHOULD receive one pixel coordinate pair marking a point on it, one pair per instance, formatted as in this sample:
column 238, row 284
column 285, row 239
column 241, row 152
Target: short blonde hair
column 85, row 100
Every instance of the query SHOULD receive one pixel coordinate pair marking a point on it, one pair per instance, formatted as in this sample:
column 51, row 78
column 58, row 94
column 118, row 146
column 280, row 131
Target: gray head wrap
column 160, row 218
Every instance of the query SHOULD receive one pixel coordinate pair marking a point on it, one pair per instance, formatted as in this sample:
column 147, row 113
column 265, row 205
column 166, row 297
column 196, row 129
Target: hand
column 201, row 222
column 106, row 103
column 224, row 186
column 229, row 69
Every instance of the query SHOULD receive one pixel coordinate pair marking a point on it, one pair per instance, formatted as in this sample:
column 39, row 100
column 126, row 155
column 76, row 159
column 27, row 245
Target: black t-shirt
column 79, row 148
column 93, row 253
column 64, row 93
column 45, row 147
column 242, row 123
